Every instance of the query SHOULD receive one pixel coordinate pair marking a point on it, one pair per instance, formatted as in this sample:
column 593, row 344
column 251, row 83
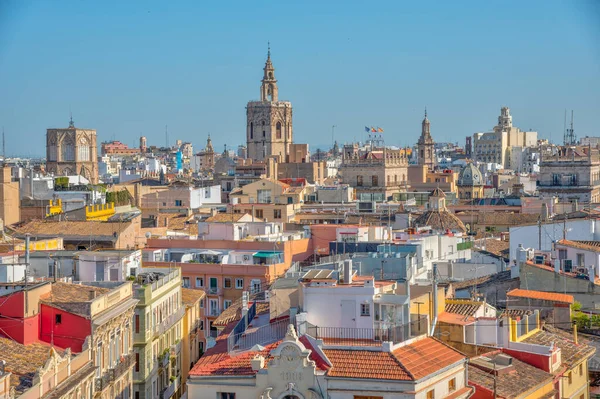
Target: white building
column 108, row 265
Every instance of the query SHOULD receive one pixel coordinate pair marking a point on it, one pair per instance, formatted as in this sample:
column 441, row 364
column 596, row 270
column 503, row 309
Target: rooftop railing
column 258, row 336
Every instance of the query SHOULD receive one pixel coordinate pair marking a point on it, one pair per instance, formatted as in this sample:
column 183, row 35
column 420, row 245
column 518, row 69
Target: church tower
column 269, row 121
column 425, row 145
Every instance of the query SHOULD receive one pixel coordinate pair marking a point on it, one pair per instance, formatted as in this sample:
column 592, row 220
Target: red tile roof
column 453, row 318
column 545, row 296
column 408, row 363
column 426, row 356
column 365, row 364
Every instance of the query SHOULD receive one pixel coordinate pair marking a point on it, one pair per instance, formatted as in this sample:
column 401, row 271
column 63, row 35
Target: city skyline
column 354, row 67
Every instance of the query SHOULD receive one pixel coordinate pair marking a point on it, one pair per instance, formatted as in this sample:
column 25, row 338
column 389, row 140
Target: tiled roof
column 587, row 245
column 522, row 379
column 407, row 363
column 440, row 220
column 506, row 218
column 545, row 296
column 426, row 356
column 73, row 298
column 50, row 228
column 191, row 296
column 463, row 308
column 515, row 313
column 234, row 311
column 23, row 361
column 453, row 318
column 494, row 247
column 178, row 222
column 225, row 218
column 483, row 281
column 571, row 353
column 365, row 364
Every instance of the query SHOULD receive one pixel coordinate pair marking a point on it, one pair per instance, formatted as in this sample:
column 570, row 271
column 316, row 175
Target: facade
column 204, row 160
column 158, row 330
column 375, row 173
column 10, row 204
column 496, row 146
column 571, row 174
column 72, row 151
column 425, row 144
column 117, row 148
column 470, row 183
column 269, row 121
column 193, row 341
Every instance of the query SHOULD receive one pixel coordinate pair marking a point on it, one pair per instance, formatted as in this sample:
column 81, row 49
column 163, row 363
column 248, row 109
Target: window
column 359, row 181
column 202, row 325
column 278, row 130
column 259, row 213
column 186, row 282
column 201, row 303
column 214, row 307
column 137, row 395
column 226, row 395
column 68, row 152
column 570, row 377
column 137, row 323
column 581, row 369
column 255, row 286
column 263, row 196
column 452, row 385
column 57, row 319
column 83, row 153
column 580, row 259
column 374, row 181
column 227, row 282
column 251, row 130
column 430, row 394
column 226, row 303
column 365, row 309
column 277, row 214
column 178, row 203
column 239, row 283
column 199, row 282
column 137, row 362
column 214, row 285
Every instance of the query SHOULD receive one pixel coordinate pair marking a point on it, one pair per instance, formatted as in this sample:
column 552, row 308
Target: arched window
column 270, row 75
column 278, row 130
column 251, row 130
column 67, row 152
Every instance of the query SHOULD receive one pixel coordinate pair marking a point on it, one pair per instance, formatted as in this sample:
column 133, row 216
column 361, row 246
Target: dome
column 470, row 176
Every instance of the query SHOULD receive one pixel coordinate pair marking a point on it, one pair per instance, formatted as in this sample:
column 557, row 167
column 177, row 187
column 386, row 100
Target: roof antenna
column 3, row 148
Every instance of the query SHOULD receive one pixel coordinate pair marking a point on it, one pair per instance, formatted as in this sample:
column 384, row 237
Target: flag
column 380, row 130
column 367, row 129
column 373, row 130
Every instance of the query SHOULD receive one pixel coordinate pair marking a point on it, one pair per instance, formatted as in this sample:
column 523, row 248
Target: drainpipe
column 435, row 300
column 26, row 276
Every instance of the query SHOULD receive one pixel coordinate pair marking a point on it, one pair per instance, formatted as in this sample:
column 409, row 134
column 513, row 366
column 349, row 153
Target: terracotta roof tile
column 23, row 361
column 191, row 296
column 453, row 318
column 226, row 218
column 571, row 353
column 365, row 364
column 545, row 296
column 522, row 379
column 50, row 228
column 588, row 245
column 427, row 355
column 73, row 298
column 463, row 308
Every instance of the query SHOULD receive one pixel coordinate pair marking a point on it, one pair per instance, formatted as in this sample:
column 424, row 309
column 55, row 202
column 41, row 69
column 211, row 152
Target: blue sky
column 130, row 68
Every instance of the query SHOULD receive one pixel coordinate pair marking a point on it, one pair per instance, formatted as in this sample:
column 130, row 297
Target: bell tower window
column 278, row 130
column 251, row 130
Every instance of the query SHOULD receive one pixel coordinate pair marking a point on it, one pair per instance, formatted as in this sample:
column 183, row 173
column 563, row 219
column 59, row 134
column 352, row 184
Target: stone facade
column 571, row 174
column 72, row 151
column 380, row 171
column 269, row 121
column 425, row 144
column 496, row 146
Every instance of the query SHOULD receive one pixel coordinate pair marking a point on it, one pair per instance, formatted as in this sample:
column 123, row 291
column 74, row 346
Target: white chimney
column 348, row 271
column 257, row 362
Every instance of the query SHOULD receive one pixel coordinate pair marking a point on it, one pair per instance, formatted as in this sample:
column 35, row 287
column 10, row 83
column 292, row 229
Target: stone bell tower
column 426, row 145
column 269, row 121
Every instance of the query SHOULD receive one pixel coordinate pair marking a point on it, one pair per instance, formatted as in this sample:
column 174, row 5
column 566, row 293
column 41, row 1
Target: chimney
column 544, row 212
column 348, row 271
column 257, row 362
column 92, row 295
column 575, row 205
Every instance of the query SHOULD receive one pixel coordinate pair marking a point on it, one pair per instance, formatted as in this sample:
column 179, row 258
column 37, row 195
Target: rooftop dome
column 470, row 176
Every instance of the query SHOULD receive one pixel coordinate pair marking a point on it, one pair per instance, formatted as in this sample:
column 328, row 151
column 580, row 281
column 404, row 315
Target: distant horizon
column 133, row 68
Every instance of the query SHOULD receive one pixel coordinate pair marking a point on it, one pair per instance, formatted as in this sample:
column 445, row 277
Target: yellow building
column 470, row 183
column 10, row 203
column 193, row 330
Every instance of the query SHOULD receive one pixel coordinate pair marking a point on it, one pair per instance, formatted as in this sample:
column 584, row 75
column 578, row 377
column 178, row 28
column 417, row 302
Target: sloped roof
column 463, row 308
column 73, row 298
column 51, row 228
column 191, row 296
column 571, row 352
column 437, row 193
column 544, row 296
column 440, row 220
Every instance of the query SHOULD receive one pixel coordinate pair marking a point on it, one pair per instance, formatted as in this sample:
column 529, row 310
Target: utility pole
column 540, row 233
column 564, row 225
column 419, row 314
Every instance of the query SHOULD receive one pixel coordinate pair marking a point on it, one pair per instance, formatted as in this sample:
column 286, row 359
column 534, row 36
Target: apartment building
column 158, row 332
column 193, row 341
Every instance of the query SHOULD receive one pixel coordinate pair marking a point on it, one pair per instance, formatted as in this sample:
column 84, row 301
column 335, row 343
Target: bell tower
column 426, row 144
column 269, row 120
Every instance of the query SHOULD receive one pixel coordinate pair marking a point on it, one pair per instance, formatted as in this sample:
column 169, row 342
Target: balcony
column 214, row 312
column 214, row 291
column 169, row 391
column 169, row 322
column 113, row 374
column 176, row 349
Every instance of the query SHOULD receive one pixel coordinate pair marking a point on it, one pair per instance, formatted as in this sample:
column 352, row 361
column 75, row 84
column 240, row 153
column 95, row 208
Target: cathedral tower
column 426, row 144
column 269, row 121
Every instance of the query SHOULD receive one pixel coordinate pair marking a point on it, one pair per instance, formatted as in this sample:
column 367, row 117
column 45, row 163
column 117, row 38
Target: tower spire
column 425, row 112
column 268, row 50
column 71, row 123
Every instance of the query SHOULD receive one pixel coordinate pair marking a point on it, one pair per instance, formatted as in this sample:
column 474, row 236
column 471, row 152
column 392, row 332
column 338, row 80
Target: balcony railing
column 363, row 336
column 214, row 291
column 169, row 391
column 258, row 336
column 167, row 323
column 114, row 373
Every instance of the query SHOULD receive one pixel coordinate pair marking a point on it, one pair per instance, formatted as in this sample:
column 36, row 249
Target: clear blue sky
column 128, row 68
